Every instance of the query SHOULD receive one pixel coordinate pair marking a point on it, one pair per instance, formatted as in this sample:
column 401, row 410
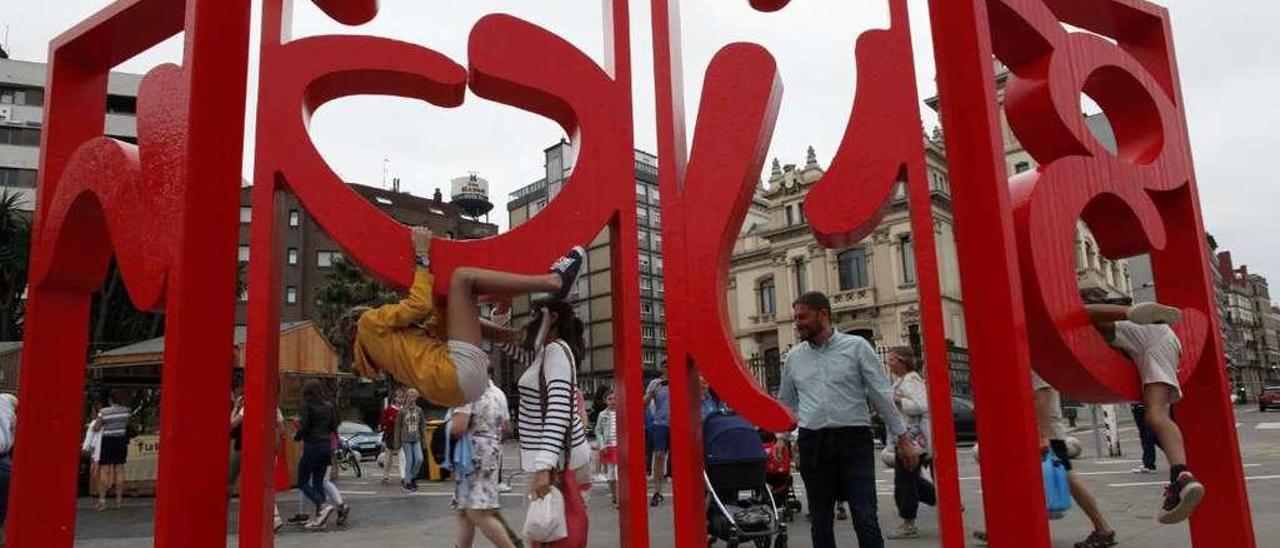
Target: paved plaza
column 385, row 517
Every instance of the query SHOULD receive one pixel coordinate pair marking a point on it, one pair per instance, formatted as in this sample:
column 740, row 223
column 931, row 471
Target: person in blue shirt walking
column 828, row 380
column 658, row 397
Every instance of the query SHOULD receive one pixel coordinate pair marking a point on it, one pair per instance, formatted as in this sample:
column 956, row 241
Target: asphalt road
column 385, row 517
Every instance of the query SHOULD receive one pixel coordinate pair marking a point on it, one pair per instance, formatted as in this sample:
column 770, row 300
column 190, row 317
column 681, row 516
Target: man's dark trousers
column 1148, row 438
column 839, row 463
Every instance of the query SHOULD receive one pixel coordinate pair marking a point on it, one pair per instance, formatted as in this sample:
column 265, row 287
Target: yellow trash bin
column 432, row 471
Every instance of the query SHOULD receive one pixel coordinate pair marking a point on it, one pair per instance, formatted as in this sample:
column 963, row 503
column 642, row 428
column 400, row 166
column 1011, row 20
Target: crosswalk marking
column 1268, row 426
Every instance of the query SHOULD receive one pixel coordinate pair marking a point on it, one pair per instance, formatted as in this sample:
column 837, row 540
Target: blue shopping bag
column 1057, row 492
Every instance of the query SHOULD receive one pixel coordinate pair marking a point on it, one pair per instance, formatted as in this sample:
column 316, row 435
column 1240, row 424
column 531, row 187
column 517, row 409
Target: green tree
column 15, row 247
column 347, row 286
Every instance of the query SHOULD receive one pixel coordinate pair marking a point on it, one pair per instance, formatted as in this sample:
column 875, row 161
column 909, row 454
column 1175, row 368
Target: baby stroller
column 740, row 505
column 778, row 475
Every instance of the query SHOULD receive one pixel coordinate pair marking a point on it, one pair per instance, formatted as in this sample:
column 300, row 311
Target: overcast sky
column 1231, row 84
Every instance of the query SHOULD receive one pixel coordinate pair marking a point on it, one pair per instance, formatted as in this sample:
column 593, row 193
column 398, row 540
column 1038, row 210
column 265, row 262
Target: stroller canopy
column 729, row 438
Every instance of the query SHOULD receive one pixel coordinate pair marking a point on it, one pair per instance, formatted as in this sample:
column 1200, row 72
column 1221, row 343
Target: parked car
column 1269, row 398
column 964, row 418
column 361, row 437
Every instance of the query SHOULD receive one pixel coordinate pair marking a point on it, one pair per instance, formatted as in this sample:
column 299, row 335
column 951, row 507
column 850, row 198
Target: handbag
column 565, row 481
column 545, row 520
column 1057, row 492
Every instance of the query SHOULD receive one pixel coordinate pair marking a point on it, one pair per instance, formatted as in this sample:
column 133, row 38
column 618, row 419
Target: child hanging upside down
column 1143, row 333
column 404, row 339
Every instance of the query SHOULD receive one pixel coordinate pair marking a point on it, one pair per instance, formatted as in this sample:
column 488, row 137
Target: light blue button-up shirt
column 828, row 386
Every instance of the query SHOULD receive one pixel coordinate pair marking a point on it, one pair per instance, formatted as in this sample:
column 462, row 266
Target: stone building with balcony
column 872, row 285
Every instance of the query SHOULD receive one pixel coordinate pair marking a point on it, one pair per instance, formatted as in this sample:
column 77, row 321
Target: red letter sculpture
column 512, row 62
column 166, row 208
column 1139, row 199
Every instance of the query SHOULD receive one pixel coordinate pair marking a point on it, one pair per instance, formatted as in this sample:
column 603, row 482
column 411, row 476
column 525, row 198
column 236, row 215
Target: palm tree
column 15, row 246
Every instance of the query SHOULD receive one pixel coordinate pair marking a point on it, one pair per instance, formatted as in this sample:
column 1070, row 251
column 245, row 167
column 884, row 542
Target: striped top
column 115, row 420
column 542, row 438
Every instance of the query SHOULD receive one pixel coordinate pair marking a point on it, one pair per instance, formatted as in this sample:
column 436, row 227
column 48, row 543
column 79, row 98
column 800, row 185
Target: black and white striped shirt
column 542, row 438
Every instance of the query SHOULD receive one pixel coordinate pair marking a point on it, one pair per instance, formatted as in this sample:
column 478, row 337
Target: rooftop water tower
column 471, row 194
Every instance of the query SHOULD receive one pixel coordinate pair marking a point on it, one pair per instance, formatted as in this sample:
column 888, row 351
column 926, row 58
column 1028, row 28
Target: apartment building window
column 293, row 256
column 291, row 295
column 800, row 213
column 640, row 194
column 650, row 357
column 295, row 218
column 1021, row 167
column 22, row 96
column 662, row 311
column 244, row 294
column 646, row 309
column 19, row 136
column 642, row 213
column 24, row 178
column 660, row 287
column 790, row 220
column 908, row 260
column 246, row 214
column 802, row 275
column 653, row 194
column 646, row 284
column 325, row 259
column 244, row 253
column 853, row 269
column 768, row 298
column 649, row 332
column 644, row 262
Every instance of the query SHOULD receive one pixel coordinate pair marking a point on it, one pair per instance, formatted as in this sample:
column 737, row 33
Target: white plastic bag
column 545, row 521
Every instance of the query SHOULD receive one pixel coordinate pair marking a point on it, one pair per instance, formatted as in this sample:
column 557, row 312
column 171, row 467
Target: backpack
column 437, row 443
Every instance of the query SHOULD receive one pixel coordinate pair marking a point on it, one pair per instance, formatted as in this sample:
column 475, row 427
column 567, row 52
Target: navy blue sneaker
column 569, row 267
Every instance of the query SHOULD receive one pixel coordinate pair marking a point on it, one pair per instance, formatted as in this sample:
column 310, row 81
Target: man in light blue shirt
column 658, row 397
column 828, row 380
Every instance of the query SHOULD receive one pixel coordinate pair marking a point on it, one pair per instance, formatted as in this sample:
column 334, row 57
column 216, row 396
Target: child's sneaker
column 569, row 267
column 1154, row 313
column 1180, row 499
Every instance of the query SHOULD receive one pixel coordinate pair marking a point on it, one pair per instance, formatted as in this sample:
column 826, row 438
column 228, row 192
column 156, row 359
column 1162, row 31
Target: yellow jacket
column 403, row 340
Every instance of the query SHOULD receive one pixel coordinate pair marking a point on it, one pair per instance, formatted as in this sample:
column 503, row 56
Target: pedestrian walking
column 1146, row 437
column 1053, row 427
column 113, row 422
column 409, row 423
column 477, row 427
column 607, row 433
column 319, row 423
column 910, row 487
column 553, row 440
column 91, row 447
column 387, row 426
column 828, row 380
column 658, row 396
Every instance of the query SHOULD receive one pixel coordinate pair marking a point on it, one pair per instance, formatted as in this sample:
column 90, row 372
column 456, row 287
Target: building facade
column 872, row 285
column 307, row 253
column 592, row 297
column 1253, row 328
column 22, row 97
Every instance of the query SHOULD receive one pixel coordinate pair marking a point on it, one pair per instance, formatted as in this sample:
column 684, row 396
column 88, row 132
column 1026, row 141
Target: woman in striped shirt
column 552, row 436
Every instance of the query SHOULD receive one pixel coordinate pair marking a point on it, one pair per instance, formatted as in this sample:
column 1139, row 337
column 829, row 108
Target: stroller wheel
column 780, row 541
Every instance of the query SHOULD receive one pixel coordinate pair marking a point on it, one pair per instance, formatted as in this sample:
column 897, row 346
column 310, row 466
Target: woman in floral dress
column 475, row 496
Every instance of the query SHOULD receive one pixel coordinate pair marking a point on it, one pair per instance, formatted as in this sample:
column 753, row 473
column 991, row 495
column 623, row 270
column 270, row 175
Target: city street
column 384, row 516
